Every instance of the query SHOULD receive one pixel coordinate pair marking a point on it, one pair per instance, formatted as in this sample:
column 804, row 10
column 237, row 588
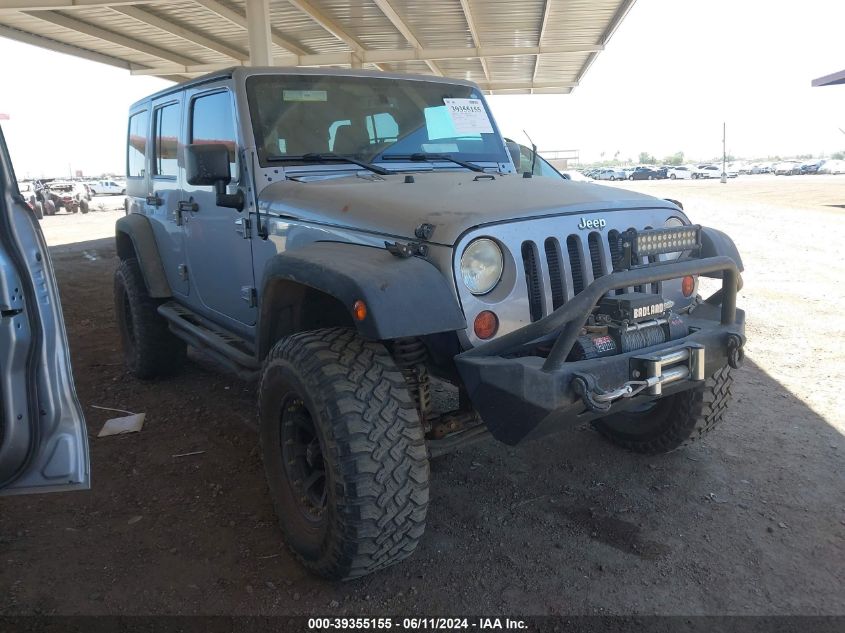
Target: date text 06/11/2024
column 416, row 624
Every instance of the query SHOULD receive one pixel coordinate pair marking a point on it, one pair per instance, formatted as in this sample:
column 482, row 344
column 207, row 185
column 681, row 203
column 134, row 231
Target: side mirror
column 513, row 149
column 207, row 165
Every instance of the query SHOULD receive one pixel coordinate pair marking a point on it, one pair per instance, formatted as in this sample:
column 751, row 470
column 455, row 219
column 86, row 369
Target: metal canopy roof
column 505, row 46
column 830, row 80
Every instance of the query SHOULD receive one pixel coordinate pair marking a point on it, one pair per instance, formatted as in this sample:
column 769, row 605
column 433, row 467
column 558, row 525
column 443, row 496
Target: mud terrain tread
column 691, row 415
column 375, row 451
column 156, row 351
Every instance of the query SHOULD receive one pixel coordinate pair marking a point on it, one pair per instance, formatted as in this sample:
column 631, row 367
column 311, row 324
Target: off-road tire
column 675, row 421
column 38, row 210
column 83, row 205
column 150, row 349
column 372, row 445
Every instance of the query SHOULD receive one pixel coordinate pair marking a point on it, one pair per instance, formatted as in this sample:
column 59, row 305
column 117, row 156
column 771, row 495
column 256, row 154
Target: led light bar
column 668, row 240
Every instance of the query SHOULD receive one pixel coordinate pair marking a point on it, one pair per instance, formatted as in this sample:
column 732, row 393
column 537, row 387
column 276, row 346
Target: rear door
column 166, row 190
column 43, row 441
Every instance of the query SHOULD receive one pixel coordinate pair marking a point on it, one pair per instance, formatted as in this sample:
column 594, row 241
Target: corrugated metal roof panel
column 348, row 25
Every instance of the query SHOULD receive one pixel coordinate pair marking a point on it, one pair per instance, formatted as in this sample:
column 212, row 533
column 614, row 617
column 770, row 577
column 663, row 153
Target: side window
column 213, row 121
column 136, row 145
column 166, row 138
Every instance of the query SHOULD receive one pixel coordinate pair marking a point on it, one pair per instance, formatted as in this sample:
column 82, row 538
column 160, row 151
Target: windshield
column 366, row 117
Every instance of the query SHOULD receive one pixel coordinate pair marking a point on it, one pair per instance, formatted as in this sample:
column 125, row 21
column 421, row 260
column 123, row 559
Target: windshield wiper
column 423, row 157
column 328, row 158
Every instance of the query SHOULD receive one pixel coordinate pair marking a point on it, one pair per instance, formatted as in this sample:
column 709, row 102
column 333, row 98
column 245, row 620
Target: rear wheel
column 671, row 422
column 150, row 348
column 344, row 453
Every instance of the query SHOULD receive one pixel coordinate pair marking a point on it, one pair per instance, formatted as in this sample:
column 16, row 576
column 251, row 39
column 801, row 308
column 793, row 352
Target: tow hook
column 736, row 351
column 598, row 400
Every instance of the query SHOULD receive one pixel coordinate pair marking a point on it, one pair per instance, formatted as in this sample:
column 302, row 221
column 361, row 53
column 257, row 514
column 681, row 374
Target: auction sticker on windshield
column 468, row 116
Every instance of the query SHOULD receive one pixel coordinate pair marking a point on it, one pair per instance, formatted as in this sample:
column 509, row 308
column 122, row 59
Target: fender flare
column 715, row 243
column 404, row 297
column 139, row 231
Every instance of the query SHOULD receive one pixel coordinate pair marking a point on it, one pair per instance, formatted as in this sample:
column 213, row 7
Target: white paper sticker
column 304, row 95
column 469, row 116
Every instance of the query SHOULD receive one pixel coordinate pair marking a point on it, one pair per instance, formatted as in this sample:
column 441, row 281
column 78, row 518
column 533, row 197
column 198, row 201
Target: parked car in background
column 610, row 173
column 707, row 171
column 787, row 168
column 70, row 195
column 107, row 188
column 832, row 166
column 681, row 172
column 644, row 173
column 811, row 167
column 577, row 176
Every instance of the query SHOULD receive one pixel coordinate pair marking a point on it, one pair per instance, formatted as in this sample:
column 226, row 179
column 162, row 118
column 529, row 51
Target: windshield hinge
column 404, row 251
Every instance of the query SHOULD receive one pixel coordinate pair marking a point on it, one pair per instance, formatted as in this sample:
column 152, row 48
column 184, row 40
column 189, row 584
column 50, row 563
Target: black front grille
column 532, row 280
column 568, row 263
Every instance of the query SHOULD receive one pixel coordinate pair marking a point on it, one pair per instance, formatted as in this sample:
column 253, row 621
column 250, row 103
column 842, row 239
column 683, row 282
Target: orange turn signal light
column 688, row 285
column 359, row 310
column 486, row 324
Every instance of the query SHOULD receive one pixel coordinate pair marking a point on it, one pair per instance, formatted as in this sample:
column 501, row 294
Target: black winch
column 627, row 322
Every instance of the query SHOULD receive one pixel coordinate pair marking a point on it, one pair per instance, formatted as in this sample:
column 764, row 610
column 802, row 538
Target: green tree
column 675, row 159
column 645, row 157
column 838, row 156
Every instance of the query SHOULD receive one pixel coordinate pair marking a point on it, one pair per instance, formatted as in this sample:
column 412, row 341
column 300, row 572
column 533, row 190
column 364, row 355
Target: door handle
column 154, row 200
column 188, row 205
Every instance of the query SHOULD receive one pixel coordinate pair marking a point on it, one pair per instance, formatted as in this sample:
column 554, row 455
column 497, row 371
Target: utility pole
column 724, row 157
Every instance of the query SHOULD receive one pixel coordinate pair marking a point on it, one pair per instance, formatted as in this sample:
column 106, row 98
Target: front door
column 43, row 440
column 218, row 239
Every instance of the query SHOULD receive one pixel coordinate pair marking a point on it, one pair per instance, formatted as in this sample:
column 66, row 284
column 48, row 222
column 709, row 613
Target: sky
column 672, row 73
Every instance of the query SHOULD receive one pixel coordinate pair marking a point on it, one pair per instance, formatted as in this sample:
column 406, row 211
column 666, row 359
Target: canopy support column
column 258, row 29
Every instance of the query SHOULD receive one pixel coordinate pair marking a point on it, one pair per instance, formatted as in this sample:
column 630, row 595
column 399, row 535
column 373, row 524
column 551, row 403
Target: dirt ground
column 751, row 521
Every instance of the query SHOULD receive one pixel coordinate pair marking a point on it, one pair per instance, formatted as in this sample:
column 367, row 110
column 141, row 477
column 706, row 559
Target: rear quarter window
column 136, row 145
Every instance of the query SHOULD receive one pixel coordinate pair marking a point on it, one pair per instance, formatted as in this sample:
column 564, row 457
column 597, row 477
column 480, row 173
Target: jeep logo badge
column 592, row 224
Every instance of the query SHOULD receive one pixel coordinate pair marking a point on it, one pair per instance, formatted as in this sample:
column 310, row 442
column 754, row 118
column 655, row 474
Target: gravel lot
column 751, row 521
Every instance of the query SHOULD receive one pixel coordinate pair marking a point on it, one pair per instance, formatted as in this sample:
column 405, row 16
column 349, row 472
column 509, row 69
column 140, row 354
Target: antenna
column 533, row 151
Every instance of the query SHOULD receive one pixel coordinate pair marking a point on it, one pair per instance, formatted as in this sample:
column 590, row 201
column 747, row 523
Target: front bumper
column 520, row 395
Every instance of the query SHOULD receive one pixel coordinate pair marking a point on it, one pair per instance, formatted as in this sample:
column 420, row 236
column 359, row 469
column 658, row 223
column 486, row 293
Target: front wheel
column 671, row 422
column 344, row 453
column 672, row 176
column 630, row 177
column 83, row 205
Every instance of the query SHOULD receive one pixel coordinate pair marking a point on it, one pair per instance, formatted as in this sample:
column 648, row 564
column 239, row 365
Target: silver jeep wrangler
column 348, row 237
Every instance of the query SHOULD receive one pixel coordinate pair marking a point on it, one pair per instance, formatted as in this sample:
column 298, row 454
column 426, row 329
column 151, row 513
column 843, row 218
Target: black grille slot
column 595, row 255
column 555, row 272
column 532, row 280
column 613, row 243
column 614, row 246
column 575, row 264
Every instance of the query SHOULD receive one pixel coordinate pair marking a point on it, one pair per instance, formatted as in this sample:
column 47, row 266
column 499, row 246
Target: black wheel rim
column 302, row 456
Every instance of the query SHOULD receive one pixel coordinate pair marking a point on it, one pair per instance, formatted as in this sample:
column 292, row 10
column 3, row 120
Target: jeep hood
column 451, row 202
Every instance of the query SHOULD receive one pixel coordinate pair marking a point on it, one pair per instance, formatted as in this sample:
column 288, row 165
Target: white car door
column 43, row 440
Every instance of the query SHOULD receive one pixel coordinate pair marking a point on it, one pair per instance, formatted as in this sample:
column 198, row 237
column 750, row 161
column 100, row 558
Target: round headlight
column 481, row 266
column 671, row 223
